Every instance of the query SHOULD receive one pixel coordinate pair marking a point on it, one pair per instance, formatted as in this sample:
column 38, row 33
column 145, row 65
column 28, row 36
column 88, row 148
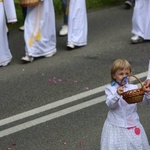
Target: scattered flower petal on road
column 81, row 143
column 86, row 88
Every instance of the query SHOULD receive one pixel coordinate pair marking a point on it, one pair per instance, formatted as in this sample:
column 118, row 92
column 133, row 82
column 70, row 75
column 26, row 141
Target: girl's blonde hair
column 119, row 64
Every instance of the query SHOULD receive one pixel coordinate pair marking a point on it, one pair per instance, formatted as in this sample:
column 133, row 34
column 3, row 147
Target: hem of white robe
column 53, row 51
column 77, row 44
column 5, row 63
column 141, row 35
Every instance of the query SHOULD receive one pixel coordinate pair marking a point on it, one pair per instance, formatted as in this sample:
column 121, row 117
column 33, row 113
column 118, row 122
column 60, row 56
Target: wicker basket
column 135, row 95
column 26, row 3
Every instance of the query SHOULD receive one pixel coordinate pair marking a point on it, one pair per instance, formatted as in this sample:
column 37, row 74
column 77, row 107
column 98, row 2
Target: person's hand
column 146, row 85
column 120, row 90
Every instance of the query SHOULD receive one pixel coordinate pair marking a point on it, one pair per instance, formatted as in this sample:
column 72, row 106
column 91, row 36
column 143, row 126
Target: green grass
column 91, row 4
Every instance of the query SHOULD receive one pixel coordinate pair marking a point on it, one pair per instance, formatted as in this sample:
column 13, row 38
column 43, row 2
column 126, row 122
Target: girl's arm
column 112, row 97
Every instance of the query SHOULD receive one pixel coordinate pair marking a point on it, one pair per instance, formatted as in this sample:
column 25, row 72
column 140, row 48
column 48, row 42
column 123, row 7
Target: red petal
column 137, row 131
column 81, row 143
column 14, row 144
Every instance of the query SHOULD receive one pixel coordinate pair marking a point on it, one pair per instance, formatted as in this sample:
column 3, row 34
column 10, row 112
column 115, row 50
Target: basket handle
column 134, row 77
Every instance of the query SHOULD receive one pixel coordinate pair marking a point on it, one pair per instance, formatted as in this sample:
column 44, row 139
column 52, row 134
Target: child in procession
column 122, row 129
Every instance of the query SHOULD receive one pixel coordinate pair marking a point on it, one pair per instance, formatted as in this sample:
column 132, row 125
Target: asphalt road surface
column 58, row 103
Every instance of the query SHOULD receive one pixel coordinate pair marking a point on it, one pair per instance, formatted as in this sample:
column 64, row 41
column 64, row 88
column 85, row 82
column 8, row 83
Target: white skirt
column 118, row 138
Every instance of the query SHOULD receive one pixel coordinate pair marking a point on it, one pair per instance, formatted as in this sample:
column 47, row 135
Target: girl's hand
column 120, row 90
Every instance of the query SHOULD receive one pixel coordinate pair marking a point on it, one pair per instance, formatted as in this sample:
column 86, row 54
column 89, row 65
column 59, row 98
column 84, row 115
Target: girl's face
column 120, row 74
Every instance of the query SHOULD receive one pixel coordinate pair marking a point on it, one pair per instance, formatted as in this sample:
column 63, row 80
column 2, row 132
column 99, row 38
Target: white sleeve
column 10, row 10
column 112, row 97
column 148, row 73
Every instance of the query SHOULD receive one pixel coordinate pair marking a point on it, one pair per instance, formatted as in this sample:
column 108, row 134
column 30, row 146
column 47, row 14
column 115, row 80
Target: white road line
column 57, row 114
column 58, row 103
column 51, row 105
column 49, row 117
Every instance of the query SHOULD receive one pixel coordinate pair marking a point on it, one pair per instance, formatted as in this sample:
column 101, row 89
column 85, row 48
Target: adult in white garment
column 77, row 23
column 40, row 31
column 147, row 82
column 7, row 9
column 140, row 21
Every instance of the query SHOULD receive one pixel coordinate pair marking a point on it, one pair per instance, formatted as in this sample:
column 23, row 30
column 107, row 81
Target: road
column 58, row 103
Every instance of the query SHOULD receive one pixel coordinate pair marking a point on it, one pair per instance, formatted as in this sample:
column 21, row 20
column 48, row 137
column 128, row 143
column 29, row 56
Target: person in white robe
column 147, row 82
column 140, row 21
column 39, row 31
column 7, row 9
column 77, row 22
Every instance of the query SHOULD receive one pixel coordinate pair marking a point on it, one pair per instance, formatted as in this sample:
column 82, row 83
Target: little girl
column 122, row 129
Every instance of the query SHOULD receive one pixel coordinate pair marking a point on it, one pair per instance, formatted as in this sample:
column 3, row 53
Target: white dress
column 141, row 19
column 7, row 7
column 122, row 129
column 40, row 32
column 77, row 21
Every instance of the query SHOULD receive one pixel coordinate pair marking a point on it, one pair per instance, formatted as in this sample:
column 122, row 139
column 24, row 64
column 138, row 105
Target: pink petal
column 59, row 80
column 64, row 143
column 86, row 88
column 54, row 81
column 49, row 80
column 81, row 143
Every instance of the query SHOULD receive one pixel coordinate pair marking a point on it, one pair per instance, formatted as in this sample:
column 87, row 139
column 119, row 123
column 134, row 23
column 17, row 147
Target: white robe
column 77, row 21
column 40, row 17
column 141, row 19
column 6, row 8
column 148, row 74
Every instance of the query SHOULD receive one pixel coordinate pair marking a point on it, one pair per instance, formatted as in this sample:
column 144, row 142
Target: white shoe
column 64, row 30
column 50, row 55
column 136, row 39
column 70, row 46
column 21, row 28
column 4, row 64
column 27, row 58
